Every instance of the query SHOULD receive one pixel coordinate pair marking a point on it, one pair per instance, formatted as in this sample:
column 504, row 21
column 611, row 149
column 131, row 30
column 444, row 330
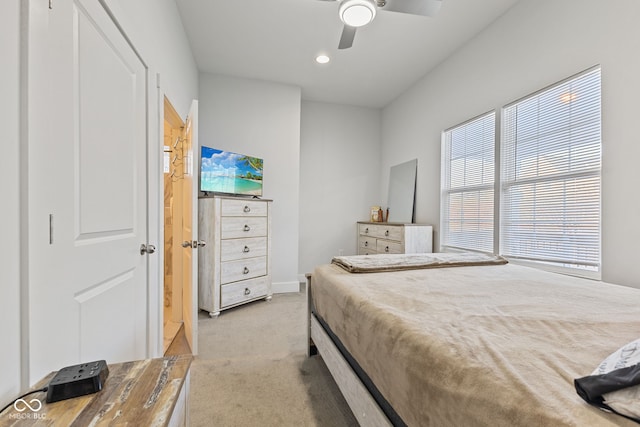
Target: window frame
column 553, row 266
column 498, row 185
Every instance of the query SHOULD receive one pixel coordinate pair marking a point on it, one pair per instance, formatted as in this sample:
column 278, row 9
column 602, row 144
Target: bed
column 467, row 343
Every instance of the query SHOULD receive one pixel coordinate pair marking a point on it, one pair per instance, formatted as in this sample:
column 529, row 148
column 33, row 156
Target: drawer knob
column 366, row 230
column 366, row 244
column 247, row 291
column 245, row 271
column 247, row 209
column 246, row 228
column 386, row 233
column 246, row 249
column 386, row 248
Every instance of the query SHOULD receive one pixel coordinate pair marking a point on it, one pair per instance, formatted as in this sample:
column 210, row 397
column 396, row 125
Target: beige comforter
column 479, row 345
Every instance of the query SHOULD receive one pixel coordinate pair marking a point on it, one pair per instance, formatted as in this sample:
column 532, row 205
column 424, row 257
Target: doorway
column 174, row 167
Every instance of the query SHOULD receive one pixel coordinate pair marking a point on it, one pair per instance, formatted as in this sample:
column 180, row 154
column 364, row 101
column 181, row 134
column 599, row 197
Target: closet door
column 87, row 201
column 190, row 229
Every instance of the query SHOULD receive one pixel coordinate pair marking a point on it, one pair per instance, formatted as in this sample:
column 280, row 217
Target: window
column 467, row 185
column 550, row 175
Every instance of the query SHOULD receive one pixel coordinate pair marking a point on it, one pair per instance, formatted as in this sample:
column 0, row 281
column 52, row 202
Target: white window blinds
column 550, row 176
column 467, row 185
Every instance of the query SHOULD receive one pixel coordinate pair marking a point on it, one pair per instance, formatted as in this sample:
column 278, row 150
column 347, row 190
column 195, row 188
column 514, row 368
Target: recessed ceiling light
column 322, row 59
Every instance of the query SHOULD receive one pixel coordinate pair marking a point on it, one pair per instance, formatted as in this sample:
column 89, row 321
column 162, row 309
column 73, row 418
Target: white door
column 86, row 190
column 190, row 229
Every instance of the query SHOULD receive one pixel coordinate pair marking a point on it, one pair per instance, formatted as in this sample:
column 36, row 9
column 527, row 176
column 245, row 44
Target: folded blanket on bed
column 397, row 262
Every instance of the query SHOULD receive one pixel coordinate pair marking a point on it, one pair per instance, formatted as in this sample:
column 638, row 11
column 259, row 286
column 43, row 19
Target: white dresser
column 394, row 238
column 235, row 265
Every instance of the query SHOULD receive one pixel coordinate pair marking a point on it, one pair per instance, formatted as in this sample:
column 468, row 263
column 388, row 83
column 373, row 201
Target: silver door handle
column 147, row 249
column 188, row 244
column 201, row 243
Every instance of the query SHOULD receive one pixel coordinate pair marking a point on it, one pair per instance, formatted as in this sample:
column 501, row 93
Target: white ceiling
column 277, row 40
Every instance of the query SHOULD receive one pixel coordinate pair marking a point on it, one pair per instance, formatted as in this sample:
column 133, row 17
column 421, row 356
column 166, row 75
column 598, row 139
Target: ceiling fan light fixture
column 357, row 13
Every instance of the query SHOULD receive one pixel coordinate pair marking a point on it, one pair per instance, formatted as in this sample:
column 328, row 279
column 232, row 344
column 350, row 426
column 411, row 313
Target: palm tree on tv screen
column 253, row 162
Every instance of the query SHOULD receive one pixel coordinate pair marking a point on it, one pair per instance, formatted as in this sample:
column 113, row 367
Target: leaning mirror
column 402, row 190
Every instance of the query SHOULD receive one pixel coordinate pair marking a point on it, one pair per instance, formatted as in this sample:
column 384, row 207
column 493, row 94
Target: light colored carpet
column 252, row 370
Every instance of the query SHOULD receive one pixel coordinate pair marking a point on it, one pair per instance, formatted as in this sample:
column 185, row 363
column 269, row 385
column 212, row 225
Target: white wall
column 535, row 44
column 261, row 119
column 339, row 160
column 10, row 366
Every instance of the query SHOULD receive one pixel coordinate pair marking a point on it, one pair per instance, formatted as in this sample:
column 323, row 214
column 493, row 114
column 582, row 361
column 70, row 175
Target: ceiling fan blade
column 414, row 7
column 346, row 40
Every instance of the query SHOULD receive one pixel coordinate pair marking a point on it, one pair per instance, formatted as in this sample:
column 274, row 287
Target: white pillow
column 627, row 400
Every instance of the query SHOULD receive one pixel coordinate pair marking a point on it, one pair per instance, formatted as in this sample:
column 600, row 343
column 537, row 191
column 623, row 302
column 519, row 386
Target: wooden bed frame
column 364, row 407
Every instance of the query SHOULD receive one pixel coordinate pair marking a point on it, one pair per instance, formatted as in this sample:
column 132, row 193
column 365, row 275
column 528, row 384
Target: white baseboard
column 285, row 287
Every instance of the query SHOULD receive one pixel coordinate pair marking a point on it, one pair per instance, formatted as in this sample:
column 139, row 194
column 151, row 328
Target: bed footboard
column 362, row 404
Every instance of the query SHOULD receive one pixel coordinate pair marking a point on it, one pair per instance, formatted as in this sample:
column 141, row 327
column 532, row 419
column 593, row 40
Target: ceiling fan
column 358, row 13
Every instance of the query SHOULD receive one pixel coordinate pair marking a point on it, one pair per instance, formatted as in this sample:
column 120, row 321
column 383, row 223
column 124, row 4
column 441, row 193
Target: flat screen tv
column 229, row 173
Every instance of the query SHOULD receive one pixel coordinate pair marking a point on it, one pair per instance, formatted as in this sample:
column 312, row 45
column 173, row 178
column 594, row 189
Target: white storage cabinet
column 235, row 265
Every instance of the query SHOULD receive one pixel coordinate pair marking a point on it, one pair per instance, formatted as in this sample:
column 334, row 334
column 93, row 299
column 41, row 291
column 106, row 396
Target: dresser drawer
column 233, row 271
column 239, row 292
column 243, row 208
column 232, row 249
column 366, row 243
column 389, row 247
column 366, row 251
column 235, row 228
column 388, row 232
column 381, row 231
column 364, row 229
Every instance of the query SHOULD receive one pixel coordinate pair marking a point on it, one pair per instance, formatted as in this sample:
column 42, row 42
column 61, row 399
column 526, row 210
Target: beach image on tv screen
column 227, row 172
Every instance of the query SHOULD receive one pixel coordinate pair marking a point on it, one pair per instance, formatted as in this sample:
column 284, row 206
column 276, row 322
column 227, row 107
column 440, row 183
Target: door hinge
column 51, row 229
